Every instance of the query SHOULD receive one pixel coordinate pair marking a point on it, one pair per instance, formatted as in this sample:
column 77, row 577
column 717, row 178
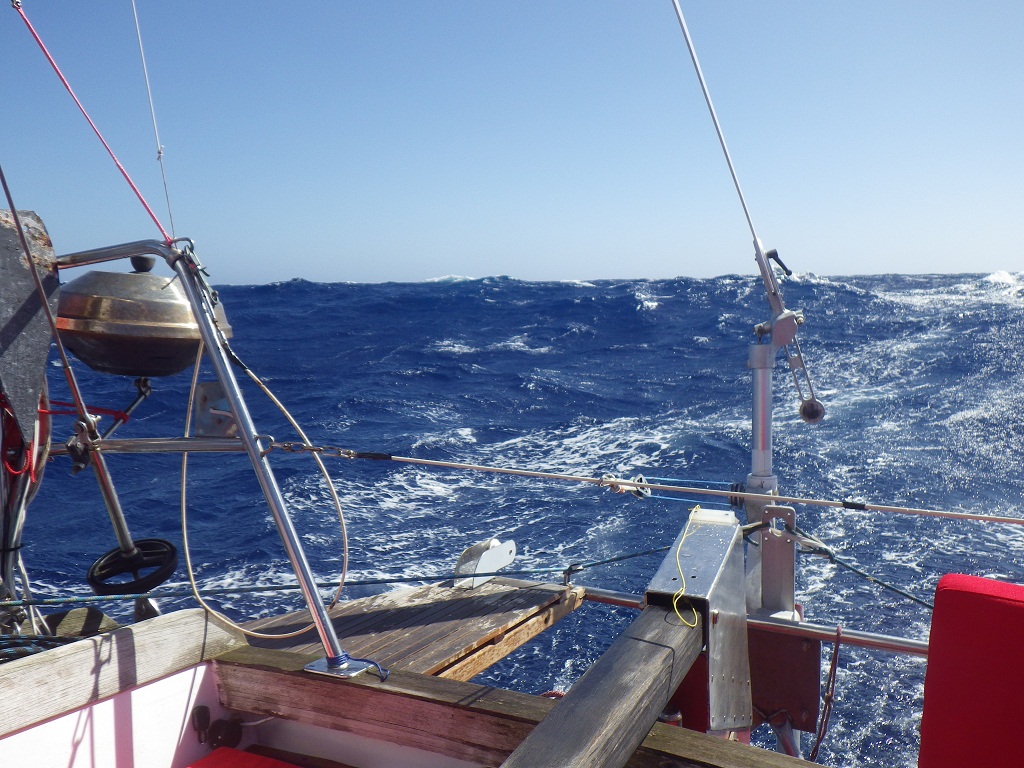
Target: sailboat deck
column 435, row 629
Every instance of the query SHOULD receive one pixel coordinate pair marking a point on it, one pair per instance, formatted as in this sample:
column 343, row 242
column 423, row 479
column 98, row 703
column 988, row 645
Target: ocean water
column 920, row 376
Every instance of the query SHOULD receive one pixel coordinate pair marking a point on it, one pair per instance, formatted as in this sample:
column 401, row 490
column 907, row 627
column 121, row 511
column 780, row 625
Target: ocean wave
column 451, row 279
column 920, row 376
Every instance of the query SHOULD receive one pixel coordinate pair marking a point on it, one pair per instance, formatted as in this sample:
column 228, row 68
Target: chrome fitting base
column 347, row 668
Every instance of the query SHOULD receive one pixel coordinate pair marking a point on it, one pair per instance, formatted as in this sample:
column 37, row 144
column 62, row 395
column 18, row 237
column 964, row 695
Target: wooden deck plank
column 453, row 612
column 349, row 617
column 474, row 646
column 484, row 655
column 379, row 614
column 610, row 710
column 503, row 614
column 427, row 648
column 435, row 629
column 466, row 721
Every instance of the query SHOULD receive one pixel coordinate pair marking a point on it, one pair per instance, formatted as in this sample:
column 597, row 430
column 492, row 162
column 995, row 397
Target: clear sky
column 385, row 140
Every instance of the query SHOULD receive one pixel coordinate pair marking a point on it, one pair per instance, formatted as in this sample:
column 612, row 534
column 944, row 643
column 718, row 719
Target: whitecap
column 450, row 279
column 453, row 347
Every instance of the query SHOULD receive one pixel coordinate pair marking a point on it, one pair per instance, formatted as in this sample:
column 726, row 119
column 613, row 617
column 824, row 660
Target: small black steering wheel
column 153, row 562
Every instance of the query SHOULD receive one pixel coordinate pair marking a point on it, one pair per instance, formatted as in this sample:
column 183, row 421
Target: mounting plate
column 350, row 668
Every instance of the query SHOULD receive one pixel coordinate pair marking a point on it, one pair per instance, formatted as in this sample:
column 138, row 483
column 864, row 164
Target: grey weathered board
column 61, row 680
column 435, row 629
column 608, row 712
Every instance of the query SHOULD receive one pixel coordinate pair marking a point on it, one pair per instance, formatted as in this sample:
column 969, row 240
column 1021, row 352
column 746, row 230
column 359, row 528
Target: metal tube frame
column 860, row 639
column 165, row 445
column 188, row 270
column 761, row 361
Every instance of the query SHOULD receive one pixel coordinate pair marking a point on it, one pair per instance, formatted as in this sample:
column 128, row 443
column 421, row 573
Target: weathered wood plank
column 608, row 712
column 483, row 614
column 436, row 627
column 520, row 606
column 462, row 720
column 351, row 618
column 486, row 654
column 516, row 616
column 374, row 615
column 408, row 709
column 61, row 680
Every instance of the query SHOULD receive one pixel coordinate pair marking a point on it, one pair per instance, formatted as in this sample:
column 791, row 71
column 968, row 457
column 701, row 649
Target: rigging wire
column 81, row 108
column 384, row 581
column 566, row 572
column 714, row 117
column 621, row 485
column 813, row 545
column 152, row 113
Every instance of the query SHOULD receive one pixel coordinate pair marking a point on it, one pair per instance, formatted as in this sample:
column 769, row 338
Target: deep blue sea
column 920, row 375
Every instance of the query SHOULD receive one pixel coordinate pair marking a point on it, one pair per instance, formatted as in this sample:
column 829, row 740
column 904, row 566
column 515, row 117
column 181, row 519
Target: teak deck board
column 435, row 629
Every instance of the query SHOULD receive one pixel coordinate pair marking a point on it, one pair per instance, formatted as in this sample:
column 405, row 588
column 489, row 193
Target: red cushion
column 974, row 685
column 225, row 757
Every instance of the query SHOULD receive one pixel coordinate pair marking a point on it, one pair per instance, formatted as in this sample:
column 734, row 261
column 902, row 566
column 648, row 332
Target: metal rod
column 761, row 360
column 112, row 503
column 850, row 636
column 115, row 252
column 624, row 484
column 767, row 275
column 611, row 597
column 804, row 629
column 261, row 466
column 166, row 445
column 144, row 391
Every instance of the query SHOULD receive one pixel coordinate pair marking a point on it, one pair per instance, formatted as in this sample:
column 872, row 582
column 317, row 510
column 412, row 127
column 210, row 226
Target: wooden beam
column 466, row 721
column 609, row 711
column 63, row 679
column 500, row 646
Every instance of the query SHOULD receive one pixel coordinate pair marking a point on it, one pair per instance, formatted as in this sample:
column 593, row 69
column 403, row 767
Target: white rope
column 184, row 529
column 327, row 479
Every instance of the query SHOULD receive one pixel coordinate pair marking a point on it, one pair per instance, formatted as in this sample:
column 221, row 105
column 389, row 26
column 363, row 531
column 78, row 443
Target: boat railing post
column 761, row 480
column 337, row 662
column 761, row 361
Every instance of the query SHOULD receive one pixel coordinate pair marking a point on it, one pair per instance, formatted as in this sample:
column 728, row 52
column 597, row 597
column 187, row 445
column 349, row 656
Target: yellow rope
column 681, row 592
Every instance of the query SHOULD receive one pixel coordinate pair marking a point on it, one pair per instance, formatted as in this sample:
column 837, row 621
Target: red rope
column 119, row 415
column 67, row 86
column 12, row 443
column 829, row 698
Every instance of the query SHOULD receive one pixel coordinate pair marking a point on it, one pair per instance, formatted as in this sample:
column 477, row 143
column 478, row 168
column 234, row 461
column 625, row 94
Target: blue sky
column 387, row 140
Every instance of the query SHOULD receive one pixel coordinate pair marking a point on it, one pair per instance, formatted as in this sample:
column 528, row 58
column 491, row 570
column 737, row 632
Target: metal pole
column 338, row 662
column 850, row 636
column 761, row 361
column 858, row 638
column 113, row 504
